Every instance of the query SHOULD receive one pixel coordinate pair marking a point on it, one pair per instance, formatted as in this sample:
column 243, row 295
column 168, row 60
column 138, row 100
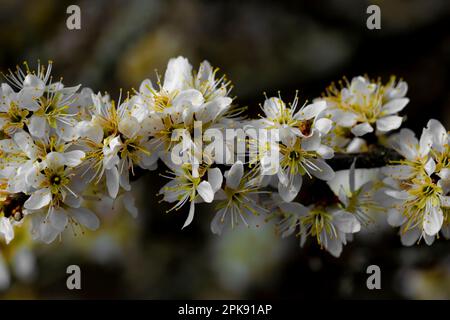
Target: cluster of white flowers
column 362, row 107
column 419, row 184
column 61, row 148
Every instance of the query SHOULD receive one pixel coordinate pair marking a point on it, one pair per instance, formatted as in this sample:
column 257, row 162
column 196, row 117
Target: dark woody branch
column 376, row 157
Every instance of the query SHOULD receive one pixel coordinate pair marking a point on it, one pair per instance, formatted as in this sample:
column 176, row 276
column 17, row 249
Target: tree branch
column 376, row 157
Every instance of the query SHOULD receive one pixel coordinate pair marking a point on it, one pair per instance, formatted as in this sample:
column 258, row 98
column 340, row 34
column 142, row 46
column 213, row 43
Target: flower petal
column 205, row 191
column 129, row 203
column 361, row 129
column 394, row 106
column 38, row 199
column 389, row 123
column 440, row 135
column 272, row 107
column 346, row 222
column 38, row 126
column 218, row 222
column 433, row 220
column 178, row 73
column 47, row 232
column 112, row 181
column 58, row 218
column 323, row 125
column 55, row 160
column 215, row 178
column 85, row 217
column 401, row 172
column 289, row 191
column 190, row 215
column 410, row 237
column 234, row 175
column 294, row 208
column 323, row 171
column 311, row 111
column 425, row 143
column 74, row 158
column 25, row 142
column 6, row 229
column 395, row 218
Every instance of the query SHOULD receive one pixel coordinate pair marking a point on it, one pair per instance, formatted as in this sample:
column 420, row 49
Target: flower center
column 317, row 221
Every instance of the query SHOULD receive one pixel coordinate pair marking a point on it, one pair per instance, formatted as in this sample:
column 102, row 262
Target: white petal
column 212, row 109
column 389, row 123
column 9, row 146
column 112, row 181
column 323, row 171
column 445, row 201
column 38, row 199
column 234, row 175
column 405, row 143
column 325, row 151
column 124, row 175
column 26, row 143
column 444, row 174
column 34, row 82
column 178, row 74
column 47, row 232
column 89, row 130
column 346, row 222
column 129, row 127
column 215, row 178
column 289, row 192
column 294, row 208
column 72, row 200
column 6, row 229
column 334, row 246
column 428, row 239
column 38, row 126
column 357, row 145
column 425, row 142
column 410, row 237
column 440, row 135
column 401, row 172
column 398, row 194
column 205, row 191
column 311, row 143
column 345, row 119
column 129, row 204
column 218, row 222
column 74, row 158
column 430, row 166
column 311, row 111
column 395, row 218
column 189, row 97
column 394, row 106
column 190, row 215
column 58, row 218
column 361, row 129
column 272, row 107
column 86, row 218
column 433, row 220
column 146, row 87
column 323, row 125
column 115, row 144
column 55, row 160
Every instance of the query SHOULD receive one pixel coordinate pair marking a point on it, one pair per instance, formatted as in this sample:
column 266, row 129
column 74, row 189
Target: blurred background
column 262, row 47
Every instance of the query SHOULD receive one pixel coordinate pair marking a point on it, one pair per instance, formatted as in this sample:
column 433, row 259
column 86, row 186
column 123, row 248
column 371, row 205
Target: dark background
column 262, row 47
